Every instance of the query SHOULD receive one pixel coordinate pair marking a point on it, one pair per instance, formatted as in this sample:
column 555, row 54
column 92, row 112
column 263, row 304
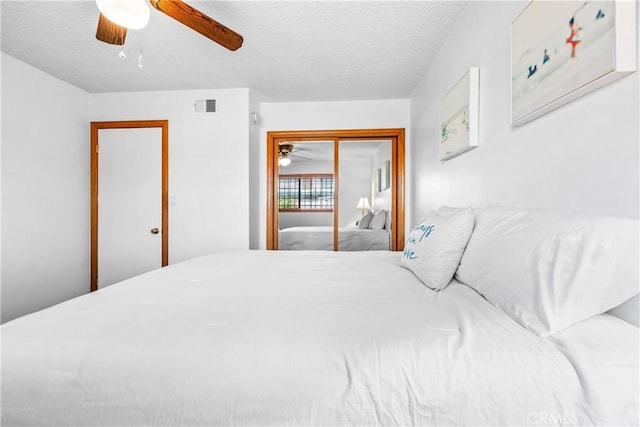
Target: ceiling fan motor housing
column 286, row 148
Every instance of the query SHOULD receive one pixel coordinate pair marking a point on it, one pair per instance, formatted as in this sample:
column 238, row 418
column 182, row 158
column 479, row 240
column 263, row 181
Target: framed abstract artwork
column 561, row 50
column 459, row 116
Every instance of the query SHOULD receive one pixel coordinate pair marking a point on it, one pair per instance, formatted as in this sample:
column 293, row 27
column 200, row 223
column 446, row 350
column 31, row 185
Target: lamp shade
column 132, row 14
column 363, row 204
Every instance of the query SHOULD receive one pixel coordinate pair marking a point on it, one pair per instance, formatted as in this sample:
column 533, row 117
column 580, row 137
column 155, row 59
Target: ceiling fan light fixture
column 284, row 161
column 132, row 14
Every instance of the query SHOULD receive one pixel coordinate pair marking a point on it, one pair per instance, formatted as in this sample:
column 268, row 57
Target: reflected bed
column 321, row 238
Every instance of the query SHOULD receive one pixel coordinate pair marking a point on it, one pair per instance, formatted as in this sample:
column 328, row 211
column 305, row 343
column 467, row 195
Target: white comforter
column 322, row 338
column 321, row 238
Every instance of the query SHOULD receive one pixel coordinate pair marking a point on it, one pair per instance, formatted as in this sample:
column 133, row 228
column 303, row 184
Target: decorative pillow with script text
column 435, row 245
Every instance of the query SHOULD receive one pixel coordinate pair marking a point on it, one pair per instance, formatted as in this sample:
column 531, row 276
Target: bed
column 370, row 233
column 321, row 238
column 312, row 338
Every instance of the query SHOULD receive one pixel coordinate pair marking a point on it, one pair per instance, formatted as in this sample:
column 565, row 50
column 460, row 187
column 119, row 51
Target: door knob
column 155, row 230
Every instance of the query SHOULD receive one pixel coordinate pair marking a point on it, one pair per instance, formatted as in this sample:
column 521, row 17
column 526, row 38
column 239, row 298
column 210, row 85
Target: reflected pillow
column 365, row 220
column 434, row 247
column 548, row 271
column 379, row 220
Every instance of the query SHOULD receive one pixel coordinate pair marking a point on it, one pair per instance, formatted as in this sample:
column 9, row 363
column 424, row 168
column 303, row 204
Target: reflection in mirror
column 364, row 199
column 305, row 195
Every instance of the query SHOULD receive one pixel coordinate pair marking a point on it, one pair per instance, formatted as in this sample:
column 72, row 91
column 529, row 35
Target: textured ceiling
column 293, row 51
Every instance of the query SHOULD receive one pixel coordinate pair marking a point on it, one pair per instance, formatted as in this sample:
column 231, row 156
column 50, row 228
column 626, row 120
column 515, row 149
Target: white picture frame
column 459, row 116
column 562, row 50
column 377, row 180
column 385, row 176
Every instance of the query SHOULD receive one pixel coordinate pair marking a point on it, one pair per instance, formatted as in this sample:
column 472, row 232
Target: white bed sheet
column 306, row 338
column 321, row 238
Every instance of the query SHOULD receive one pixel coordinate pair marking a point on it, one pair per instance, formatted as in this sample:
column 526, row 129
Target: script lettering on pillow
column 435, row 245
column 426, row 231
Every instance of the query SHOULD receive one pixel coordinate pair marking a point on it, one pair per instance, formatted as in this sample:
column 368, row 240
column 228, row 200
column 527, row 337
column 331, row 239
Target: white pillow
column 379, row 220
column 365, row 220
column 548, row 271
column 434, row 247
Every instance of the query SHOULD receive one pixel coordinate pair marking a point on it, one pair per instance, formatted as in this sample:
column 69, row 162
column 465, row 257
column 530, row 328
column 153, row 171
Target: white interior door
column 129, row 203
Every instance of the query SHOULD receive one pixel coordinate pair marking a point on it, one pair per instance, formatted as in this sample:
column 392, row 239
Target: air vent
column 205, row 106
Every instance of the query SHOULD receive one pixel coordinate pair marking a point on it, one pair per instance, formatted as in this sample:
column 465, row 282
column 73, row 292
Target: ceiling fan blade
column 109, row 32
column 198, row 21
column 295, row 156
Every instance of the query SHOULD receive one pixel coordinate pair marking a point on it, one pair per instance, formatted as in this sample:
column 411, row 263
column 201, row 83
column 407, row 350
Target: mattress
column 307, row 338
column 321, row 238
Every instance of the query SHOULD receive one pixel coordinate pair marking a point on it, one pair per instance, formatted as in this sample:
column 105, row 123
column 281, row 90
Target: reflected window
column 306, row 193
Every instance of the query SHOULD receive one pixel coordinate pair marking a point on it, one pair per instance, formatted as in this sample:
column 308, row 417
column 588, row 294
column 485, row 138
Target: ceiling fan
column 116, row 16
column 285, row 154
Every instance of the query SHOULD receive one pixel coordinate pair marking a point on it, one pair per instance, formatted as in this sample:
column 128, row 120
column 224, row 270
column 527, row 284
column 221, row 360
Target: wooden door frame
column 134, row 124
column 397, row 138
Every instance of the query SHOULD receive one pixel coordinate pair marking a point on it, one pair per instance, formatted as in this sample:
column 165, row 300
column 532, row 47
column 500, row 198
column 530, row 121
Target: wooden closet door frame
column 95, row 144
column 397, row 138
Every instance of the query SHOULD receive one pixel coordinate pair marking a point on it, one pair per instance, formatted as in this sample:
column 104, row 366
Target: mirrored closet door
column 364, row 196
column 306, row 194
column 335, row 190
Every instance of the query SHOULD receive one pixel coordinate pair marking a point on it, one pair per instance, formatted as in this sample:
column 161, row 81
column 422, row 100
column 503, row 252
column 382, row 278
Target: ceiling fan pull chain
column 122, row 55
column 140, row 60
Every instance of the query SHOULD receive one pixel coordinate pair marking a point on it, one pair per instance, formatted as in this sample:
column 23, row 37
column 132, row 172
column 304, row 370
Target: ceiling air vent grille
column 205, row 106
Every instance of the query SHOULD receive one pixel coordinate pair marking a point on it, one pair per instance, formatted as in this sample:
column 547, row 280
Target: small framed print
column 459, row 116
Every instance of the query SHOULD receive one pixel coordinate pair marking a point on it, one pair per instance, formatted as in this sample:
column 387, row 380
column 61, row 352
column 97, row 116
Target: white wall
column 304, row 219
column 328, row 116
column 583, row 157
column 208, row 164
column 298, row 166
column 382, row 199
column 1, row 59
column 45, row 190
column 355, row 182
column 254, row 171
